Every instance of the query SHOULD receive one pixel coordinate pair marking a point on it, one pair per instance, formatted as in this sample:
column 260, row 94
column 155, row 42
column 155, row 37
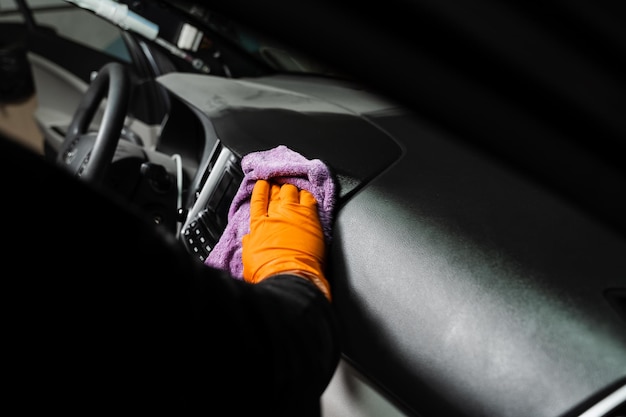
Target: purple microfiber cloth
column 281, row 165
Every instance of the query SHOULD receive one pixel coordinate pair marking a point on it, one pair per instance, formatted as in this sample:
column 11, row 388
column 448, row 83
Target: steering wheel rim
column 87, row 155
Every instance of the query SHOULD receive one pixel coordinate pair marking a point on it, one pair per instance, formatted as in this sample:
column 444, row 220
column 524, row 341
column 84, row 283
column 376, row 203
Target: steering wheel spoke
column 76, row 156
column 86, row 154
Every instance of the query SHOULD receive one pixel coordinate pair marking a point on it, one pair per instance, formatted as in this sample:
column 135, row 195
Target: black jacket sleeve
column 107, row 313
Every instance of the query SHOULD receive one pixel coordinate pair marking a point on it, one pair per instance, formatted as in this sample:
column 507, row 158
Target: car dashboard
column 237, row 117
column 462, row 286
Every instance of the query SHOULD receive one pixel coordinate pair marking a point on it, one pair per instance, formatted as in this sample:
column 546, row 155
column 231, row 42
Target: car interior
column 478, row 261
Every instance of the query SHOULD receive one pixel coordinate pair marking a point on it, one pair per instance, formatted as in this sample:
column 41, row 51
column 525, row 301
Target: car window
column 274, row 53
column 71, row 22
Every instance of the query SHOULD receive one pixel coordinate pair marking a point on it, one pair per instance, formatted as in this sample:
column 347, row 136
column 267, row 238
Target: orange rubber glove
column 285, row 235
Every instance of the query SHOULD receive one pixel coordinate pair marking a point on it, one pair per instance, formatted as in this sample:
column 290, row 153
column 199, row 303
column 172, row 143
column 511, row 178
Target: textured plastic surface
column 463, row 287
column 467, row 290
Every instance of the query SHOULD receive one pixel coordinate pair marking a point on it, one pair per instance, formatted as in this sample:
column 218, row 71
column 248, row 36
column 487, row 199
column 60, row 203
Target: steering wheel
column 87, row 155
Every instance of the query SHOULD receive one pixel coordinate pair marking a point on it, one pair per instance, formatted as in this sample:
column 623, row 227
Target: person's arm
column 139, row 325
column 275, row 342
column 284, row 256
column 272, row 337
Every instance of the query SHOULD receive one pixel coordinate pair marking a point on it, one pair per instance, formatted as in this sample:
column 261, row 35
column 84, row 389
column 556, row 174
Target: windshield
column 203, row 40
column 268, row 50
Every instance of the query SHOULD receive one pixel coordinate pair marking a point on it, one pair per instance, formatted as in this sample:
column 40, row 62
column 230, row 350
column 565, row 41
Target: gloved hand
column 285, row 235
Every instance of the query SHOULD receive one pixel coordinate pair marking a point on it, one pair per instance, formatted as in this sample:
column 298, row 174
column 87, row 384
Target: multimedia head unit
column 208, row 217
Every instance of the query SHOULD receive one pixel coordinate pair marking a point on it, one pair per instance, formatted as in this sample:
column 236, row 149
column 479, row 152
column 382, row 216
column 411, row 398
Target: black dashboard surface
column 466, row 289
column 463, row 287
column 335, row 122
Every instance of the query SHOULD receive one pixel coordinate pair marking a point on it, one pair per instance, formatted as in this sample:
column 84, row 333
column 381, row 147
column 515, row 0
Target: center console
column 208, row 216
